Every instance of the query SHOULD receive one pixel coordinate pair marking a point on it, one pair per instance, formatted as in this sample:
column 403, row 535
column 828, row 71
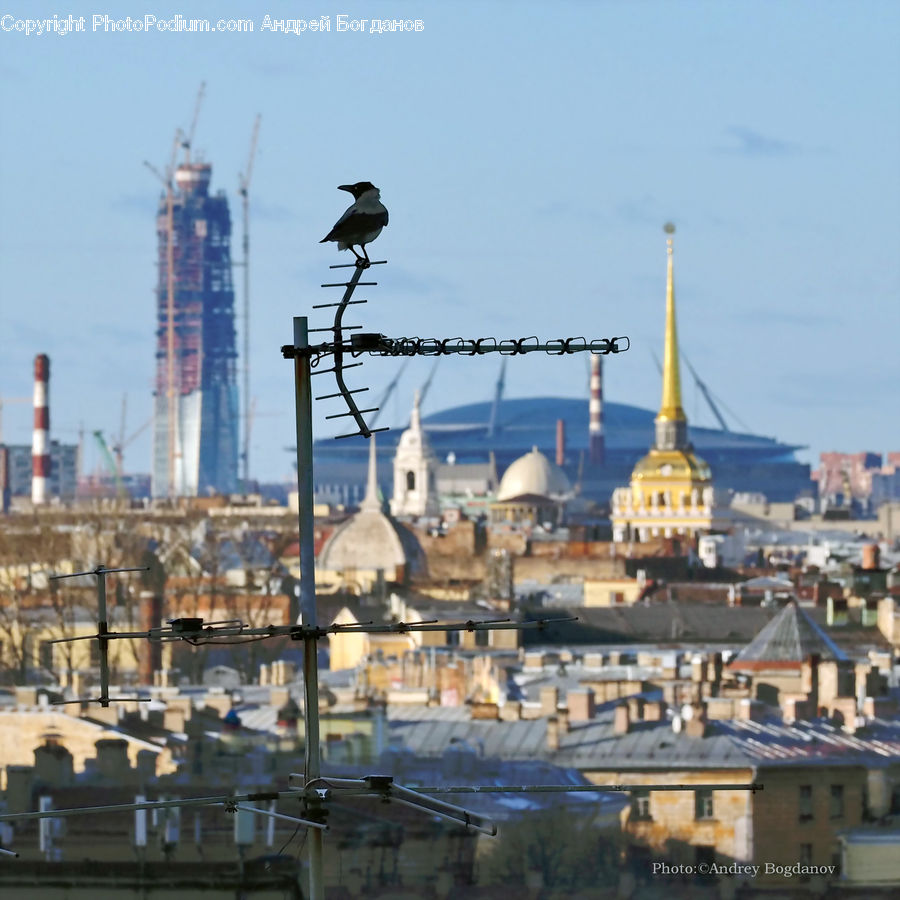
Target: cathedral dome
column 533, row 473
column 370, row 540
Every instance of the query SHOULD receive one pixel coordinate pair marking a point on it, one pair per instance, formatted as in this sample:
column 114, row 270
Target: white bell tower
column 415, row 470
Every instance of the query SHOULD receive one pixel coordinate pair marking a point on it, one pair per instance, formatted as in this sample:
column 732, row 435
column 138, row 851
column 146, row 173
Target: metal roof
column 648, row 745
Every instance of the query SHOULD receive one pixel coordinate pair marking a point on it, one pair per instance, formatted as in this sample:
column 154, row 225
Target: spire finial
column 371, row 501
column 671, row 408
column 415, row 420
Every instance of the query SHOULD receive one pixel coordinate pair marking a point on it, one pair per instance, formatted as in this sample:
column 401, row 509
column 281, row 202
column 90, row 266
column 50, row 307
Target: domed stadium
column 739, row 461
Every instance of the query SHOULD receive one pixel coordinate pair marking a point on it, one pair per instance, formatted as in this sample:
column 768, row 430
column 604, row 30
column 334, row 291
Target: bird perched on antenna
column 362, row 222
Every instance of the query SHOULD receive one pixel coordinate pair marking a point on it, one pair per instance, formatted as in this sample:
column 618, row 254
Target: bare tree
column 29, row 551
column 559, row 845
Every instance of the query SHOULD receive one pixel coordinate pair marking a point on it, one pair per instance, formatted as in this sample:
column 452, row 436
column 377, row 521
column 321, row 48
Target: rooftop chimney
column 150, row 657
column 553, row 734
column 582, row 705
column 549, row 697
column 622, row 719
column 870, row 556
column 40, row 446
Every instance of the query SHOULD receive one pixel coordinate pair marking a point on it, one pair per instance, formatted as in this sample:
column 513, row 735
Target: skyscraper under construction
column 195, row 423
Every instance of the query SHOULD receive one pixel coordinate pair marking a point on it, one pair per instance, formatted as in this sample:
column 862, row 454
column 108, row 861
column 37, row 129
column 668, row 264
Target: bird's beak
column 346, row 187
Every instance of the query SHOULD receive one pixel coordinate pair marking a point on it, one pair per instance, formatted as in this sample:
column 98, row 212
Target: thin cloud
column 788, row 318
column 754, row 143
column 144, row 205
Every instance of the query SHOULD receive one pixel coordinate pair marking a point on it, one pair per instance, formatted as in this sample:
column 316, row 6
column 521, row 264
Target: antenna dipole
column 102, row 630
column 312, row 790
column 306, row 358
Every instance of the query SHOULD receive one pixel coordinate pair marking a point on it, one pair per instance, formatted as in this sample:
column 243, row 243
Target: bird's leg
column 362, row 262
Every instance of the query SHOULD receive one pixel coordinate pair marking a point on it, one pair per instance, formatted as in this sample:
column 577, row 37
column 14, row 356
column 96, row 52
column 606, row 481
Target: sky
column 529, row 154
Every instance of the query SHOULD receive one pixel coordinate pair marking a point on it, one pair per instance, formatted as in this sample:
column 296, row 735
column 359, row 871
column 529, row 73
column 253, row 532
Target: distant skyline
column 529, row 155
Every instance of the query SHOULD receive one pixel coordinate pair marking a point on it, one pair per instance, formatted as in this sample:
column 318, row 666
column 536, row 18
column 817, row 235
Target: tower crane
column 118, row 448
column 244, row 191
column 110, row 463
column 707, row 394
column 494, row 423
column 188, row 139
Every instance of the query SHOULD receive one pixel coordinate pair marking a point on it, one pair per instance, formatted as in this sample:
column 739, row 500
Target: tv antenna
column 312, row 789
column 102, row 636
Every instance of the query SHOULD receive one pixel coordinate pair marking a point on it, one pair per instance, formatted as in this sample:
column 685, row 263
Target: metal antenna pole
column 102, row 629
column 303, row 398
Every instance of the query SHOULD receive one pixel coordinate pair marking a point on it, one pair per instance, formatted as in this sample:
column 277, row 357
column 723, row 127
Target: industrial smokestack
column 596, row 447
column 40, row 447
column 560, row 442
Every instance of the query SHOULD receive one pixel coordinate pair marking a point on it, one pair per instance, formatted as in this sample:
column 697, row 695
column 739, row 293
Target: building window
column 805, row 809
column 410, row 481
column 640, row 805
column 837, row 801
column 703, row 804
column 482, row 638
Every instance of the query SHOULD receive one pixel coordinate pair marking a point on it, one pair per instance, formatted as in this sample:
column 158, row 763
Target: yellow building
column 612, row 591
column 671, row 491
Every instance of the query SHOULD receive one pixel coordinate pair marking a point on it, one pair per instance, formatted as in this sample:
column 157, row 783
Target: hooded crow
column 362, row 222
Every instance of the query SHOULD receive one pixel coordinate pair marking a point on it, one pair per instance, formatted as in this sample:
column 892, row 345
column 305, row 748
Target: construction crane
column 110, row 463
column 244, row 191
column 168, row 182
column 707, row 394
column 188, row 139
column 389, row 390
column 426, row 387
column 493, row 424
column 118, row 448
column 5, row 400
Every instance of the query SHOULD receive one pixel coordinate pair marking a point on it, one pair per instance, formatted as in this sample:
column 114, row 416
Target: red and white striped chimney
column 560, row 442
column 596, row 448
column 40, row 446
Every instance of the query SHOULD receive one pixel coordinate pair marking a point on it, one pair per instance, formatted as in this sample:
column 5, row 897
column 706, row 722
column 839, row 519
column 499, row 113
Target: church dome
column 371, row 540
column 533, row 473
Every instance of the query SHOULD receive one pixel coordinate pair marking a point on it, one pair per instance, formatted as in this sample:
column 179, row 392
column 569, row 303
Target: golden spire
column 671, row 409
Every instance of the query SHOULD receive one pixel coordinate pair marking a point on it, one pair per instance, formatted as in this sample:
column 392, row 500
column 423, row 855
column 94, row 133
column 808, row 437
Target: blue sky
column 529, row 154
